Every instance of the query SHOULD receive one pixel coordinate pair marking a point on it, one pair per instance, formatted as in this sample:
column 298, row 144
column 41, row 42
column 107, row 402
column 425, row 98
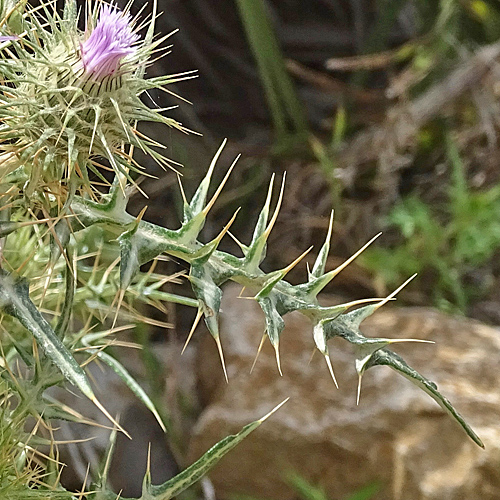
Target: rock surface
column 397, row 435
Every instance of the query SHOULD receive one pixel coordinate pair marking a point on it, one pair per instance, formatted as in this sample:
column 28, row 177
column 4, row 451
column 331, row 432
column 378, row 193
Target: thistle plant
column 72, row 255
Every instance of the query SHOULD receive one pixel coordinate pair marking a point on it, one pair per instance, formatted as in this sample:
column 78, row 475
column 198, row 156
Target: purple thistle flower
column 111, row 40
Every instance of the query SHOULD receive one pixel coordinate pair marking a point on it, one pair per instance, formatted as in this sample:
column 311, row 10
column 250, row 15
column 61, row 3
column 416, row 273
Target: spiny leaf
column 355, row 318
column 209, row 296
column 320, row 341
column 199, row 314
column 200, row 196
column 210, row 268
column 317, row 284
column 391, row 359
column 103, row 475
column 381, row 356
column 129, row 261
column 261, row 343
column 130, row 382
column 196, row 471
column 203, row 254
column 275, row 277
column 320, row 263
column 274, row 323
column 264, row 214
column 257, row 249
column 366, row 348
column 15, row 301
column 67, row 308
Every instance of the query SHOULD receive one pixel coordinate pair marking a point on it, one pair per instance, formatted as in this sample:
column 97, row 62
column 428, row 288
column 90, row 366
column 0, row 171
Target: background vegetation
column 386, row 111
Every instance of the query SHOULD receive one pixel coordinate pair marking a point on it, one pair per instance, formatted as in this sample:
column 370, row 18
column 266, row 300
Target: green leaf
column 274, row 323
column 320, row 263
column 63, row 322
column 286, row 110
column 196, row 471
column 391, row 359
column 365, row 493
column 15, row 10
column 210, row 268
column 130, row 382
column 129, row 261
column 199, row 199
column 209, row 295
column 304, row 488
column 15, row 301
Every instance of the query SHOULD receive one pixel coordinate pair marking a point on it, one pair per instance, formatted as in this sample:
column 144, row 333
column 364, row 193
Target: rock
column 397, row 435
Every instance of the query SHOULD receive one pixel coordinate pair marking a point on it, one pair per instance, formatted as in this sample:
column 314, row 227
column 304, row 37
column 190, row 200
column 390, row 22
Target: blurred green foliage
column 308, row 491
column 450, row 243
column 285, row 108
column 446, row 242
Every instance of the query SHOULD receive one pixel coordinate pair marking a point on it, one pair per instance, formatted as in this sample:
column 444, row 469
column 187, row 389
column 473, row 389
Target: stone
column 397, row 436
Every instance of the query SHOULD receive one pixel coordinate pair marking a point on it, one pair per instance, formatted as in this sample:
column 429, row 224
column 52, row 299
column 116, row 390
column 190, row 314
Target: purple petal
column 111, row 40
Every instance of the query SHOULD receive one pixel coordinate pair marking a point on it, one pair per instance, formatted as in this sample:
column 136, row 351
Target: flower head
column 111, row 40
column 75, row 97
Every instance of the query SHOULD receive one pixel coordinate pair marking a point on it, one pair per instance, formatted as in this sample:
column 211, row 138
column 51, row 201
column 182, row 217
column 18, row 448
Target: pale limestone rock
column 397, row 435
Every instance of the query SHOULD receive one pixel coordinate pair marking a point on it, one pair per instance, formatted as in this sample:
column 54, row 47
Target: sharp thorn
column 118, row 305
column 141, row 214
column 84, row 482
column 393, row 294
column 183, row 194
column 109, row 455
column 225, row 229
column 352, row 257
column 395, row 341
column 47, row 283
column 267, row 204
column 276, row 408
column 360, row 302
column 41, row 221
column 220, row 188
column 236, row 240
column 278, row 362
column 115, row 423
column 359, row 389
column 221, row 355
column 276, row 209
column 312, row 356
column 295, row 262
column 159, row 420
column 258, row 352
column 199, row 314
column 215, row 158
column 270, row 190
column 148, row 461
column 330, row 226
column 330, row 368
